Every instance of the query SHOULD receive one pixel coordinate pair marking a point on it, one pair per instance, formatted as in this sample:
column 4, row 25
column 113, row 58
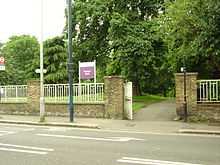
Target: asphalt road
column 29, row 145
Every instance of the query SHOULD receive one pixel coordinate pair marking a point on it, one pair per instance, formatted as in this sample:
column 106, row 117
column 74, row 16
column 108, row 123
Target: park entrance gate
column 128, row 100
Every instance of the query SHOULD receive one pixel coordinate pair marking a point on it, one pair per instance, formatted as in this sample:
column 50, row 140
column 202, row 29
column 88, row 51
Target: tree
column 1, row 44
column 19, row 53
column 192, row 33
column 136, row 49
column 91, row 43
column 55, row 58
column 55, row 61
column 121, row 36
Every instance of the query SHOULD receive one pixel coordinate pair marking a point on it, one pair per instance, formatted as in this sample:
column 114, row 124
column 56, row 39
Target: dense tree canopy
column 192, row 32
column 54, row 61
column 19, row 54
column 137, row 51
column 146, row 41
column 120, row 35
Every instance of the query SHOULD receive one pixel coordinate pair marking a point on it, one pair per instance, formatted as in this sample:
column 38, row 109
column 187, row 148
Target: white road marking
column 128, row 138
column 27, row 147
column 112, row 139
column 23, row 151
column 2, row 133
column 132, row 160
column 59, row 129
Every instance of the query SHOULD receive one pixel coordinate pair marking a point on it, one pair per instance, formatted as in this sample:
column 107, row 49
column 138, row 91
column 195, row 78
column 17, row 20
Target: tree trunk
column 136, row 89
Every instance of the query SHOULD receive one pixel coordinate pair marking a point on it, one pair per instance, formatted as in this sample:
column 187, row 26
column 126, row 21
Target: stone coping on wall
column 114, row 77
column 187, row 73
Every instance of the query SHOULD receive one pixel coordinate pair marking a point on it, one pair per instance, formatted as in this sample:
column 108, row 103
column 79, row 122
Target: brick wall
column 112, row 107
column 191, row 92
column 33, row 95
column 81, row 110
column 114, row 97
column 208, row 111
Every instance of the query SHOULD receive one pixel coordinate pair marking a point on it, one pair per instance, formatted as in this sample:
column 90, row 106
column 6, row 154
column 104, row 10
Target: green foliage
column 136, row 106
column 91, row 43
column 137, row 50
column 19, row 53
column 192, row 32
column 148, row 98
column 55, row 60
column 121, row 37
column 1, row 44
column 146, row 41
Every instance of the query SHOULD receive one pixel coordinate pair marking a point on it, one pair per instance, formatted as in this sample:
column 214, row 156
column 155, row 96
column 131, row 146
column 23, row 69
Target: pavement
column 162, row 111
column 119, row 125
column 156, row 118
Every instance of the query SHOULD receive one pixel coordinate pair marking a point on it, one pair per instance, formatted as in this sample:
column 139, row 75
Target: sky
column 19, row 17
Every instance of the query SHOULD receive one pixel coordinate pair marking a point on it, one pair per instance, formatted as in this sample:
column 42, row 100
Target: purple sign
column 86, row 73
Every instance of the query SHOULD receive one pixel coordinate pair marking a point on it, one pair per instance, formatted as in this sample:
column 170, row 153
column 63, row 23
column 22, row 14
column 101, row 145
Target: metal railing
column 56, row 93
column 13, row 93
column 208, row 90
column 82, row 93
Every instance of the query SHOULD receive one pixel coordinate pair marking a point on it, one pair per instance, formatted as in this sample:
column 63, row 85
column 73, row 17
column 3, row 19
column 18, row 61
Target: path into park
column 162, row 111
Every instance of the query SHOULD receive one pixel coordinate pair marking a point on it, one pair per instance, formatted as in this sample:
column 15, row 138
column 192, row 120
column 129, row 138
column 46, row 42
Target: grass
column 143, row 101
column 137, row 106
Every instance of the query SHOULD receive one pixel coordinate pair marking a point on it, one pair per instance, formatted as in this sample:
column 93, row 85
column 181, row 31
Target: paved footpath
column 162, row 111
column 119, row 125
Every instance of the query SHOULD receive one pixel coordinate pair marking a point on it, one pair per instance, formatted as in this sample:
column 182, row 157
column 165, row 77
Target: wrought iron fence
column 208, row 90
column 82, row 93
column 56, row 93
column 13, row 93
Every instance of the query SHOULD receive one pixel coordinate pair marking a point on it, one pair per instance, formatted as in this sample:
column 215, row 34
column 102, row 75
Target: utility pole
column 70, row 60
column 185, row 112
column 185, row 101
column 184, row 85
column 42, row 105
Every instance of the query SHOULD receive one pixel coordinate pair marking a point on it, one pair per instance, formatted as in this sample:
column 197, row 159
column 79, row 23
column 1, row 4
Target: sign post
column 2, row 63
column 2, row 68
column 87, row 71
